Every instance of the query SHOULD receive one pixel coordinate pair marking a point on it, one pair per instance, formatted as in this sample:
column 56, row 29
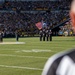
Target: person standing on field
column 50, row 35
column 1, row 36
column 41, row 34
column 17, row 35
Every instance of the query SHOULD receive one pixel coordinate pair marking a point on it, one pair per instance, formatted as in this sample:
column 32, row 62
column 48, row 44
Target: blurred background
column 22, row 15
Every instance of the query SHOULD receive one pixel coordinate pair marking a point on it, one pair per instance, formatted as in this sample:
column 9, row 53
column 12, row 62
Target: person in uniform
column 17, row 35
column 41, row 34
column 62, row 63
column 44, row 34
column 1, row 36
column 50, row 35
column 47, row 34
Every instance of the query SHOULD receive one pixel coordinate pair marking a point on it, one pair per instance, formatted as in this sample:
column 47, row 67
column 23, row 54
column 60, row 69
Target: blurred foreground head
column 72, row 14
column 72, row 6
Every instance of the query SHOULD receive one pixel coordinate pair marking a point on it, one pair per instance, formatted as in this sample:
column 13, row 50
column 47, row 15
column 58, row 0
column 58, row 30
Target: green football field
column 30, row 58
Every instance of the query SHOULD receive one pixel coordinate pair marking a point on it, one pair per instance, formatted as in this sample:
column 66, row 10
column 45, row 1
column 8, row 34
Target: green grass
column 30, row 54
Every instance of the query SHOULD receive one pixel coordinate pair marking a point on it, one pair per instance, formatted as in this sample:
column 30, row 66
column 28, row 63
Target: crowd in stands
column 35, row 5
column 66, row 30
column 51, row 12
column 26, row 21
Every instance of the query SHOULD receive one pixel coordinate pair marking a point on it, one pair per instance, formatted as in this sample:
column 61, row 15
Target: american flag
column 39, row 25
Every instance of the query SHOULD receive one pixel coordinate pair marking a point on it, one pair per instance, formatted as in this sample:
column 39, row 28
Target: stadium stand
column 23, row 15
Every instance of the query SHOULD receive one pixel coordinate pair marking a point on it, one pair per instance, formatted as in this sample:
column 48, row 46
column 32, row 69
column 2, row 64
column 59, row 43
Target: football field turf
column 29, row 58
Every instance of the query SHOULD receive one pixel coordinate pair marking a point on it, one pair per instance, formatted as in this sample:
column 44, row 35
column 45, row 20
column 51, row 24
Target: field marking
column 35, row 50
column 12, row 43
column 20, row 67
column 24, row 56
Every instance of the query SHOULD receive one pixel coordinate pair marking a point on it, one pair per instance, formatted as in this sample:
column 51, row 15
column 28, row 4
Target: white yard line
column 12, row 43
column 32, row 50
column 35, row 50
column 20, row 67
column 42, row 50
column 23, row 56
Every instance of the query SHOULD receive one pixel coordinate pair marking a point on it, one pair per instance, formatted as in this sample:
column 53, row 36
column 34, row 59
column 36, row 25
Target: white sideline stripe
column 20, row 67
column 23, row 56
